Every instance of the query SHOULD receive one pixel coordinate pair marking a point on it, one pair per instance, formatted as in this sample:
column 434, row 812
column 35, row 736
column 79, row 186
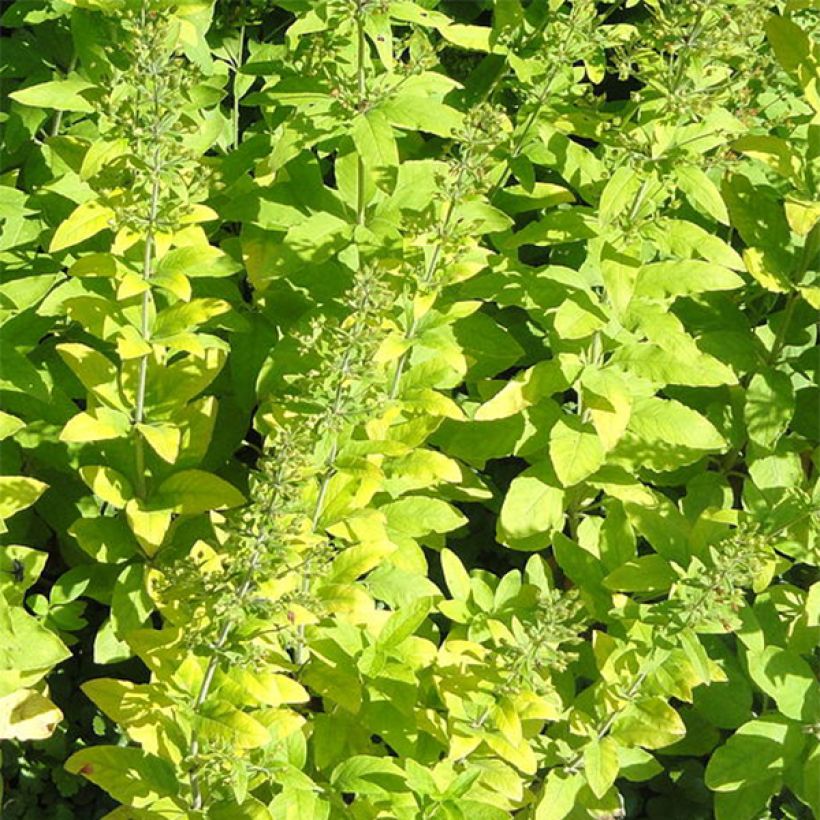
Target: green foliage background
column 409, row 409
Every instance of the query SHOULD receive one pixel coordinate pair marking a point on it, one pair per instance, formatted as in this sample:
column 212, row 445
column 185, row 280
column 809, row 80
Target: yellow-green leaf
column 576, row 452
column 225, row 723
column 107, row 484
column 129, row 775
column 195, row 491
column 27, row 715
column 650, row 722
column 59, row 95
column 702, row 192
column 18, row 492
column 85, row 221
column 94, row 370
column 534, row 505
column 164, row 438
column 601, row 765
column 9, row 425
column 149, row 526
column 101, row 424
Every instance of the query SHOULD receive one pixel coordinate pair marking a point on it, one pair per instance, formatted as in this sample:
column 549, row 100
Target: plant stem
column 228, row 626
column 237, row 66
column 429, row 273
column 634, row 689
column 210, row 672
column 638, row 201
column 361, row 85
column 318, row 508
column 780, row 338
column 147, row 263
column 450, row 208
column 58, row 115
column 344, row 369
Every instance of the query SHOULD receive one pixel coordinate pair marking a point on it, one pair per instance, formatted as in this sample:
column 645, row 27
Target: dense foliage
column 410, row 409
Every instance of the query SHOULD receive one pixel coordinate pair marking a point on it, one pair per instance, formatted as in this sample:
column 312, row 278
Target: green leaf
column 17, row 493
column 355, row 561
column 687, row 239
column 682, row 363
column 20, row 567
column 618, row 194
column 197, row 261
column 534, row 384
column 163, row 438
column 101, row 424
column 758, row 750
column 419, row 113
column 609, row 403
column 473, row 38
column 365, row 774
column 148, row 525
column 107, row 484
column 185, row 316
column 671, row 279
column 375, row 144
column 129, row 704
column 663, row 434
column 225, row 724
column 403, row 623
column 578, row 317
column 749, row 802
column 647, row 573
column 601, row 765
column 649, row 722
column 576, row 453
column 107, row 540
column 458, row 581
column 418, row 516
column 797, row 53
column 769, row 406
column 26, row 645
column 555, row 228
column 656, row 518
column 559, row 795
column 534, row 505
column 94, row 370
column 195, row 491
column 702, row 192
column 60, row 95
column 85, row 221
column 784, row 676
column 130, row 776
column 9, row 425
column 130, row 603
column 27, row 715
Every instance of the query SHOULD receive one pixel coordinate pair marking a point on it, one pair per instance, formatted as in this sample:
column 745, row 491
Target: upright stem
column 147, row 263
column 361, row 207
column 318, row 508
column 238, row 65
column 429, row 273
column 450, row 209
column 649, row 665
column 638, row 201
column 222, row 638
column 361, row 86
column 208, row 678
column 780, row 339
column 58, row 115
column 810, row 249
column 228, row 626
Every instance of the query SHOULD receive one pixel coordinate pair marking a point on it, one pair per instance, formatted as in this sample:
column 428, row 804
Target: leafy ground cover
column 409, row 409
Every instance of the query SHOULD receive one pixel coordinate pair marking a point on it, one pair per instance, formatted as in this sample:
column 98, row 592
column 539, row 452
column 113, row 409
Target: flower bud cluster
column 149, row 110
